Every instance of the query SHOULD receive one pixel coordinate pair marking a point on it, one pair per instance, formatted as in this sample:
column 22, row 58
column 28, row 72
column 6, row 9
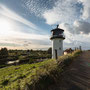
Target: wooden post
column 80, row 48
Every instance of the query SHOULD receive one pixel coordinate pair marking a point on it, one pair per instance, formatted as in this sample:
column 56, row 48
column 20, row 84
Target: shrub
column 5, row 82
column 31, row 61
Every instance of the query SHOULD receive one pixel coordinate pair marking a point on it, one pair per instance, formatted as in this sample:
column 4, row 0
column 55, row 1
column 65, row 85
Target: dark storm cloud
column 82, row 27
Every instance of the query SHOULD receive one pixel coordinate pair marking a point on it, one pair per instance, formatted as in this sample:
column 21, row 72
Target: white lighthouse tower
column 57, row 38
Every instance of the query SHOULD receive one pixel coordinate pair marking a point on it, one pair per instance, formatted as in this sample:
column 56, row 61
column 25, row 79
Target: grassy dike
column 38, row 76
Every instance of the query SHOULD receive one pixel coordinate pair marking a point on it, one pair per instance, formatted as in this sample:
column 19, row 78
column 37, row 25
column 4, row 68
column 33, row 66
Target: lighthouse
column 57, row 38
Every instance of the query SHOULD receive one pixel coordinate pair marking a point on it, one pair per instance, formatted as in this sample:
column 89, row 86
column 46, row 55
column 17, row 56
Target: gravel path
column 78, row 75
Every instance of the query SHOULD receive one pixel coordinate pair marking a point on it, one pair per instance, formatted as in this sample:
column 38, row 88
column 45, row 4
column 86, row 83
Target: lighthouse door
column 55, row 54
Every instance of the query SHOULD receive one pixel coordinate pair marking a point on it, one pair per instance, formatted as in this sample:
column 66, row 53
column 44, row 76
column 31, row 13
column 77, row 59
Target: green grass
column 14, row 76
column 38, row 76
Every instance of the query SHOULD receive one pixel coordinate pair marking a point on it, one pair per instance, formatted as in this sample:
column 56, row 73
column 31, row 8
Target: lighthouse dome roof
column 57, row 29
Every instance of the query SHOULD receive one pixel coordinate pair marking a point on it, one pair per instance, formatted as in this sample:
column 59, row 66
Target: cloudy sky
column 26, row 24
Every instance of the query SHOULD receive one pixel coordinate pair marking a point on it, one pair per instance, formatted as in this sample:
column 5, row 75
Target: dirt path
column 78, row 75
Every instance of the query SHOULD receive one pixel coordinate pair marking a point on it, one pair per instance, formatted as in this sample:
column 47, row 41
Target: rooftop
column 57, row 29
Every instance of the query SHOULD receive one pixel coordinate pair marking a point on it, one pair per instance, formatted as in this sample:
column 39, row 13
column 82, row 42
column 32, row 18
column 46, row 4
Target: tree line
column 24, row 56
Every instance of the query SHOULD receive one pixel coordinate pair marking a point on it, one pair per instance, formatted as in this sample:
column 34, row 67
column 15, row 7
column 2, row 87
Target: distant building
column 68, row 51
column 57, row 42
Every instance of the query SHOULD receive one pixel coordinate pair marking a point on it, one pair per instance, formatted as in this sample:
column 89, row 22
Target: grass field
column 17, row 77
column 14, row 76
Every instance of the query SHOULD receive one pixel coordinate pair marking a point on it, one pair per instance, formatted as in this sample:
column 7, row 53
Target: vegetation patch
column 37, row 76
column 5, row 82
column 51, row 72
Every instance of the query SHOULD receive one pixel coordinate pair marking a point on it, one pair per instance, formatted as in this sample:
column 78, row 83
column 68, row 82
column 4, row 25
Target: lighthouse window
column 60, row 48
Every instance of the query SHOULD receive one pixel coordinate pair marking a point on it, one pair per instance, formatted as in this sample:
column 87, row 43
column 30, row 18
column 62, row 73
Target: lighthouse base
column 57, row 48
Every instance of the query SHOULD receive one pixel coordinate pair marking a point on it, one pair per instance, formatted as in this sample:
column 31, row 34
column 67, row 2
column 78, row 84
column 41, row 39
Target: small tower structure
column 57, row 38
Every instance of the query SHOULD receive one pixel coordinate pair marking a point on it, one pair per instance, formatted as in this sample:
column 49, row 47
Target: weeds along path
column 77, row 77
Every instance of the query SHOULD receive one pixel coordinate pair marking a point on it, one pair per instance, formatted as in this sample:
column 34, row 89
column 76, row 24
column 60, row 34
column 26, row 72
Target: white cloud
column 70, row 14
column 77, row 35
column 63, row 11
column 14, row 35
column 37, row 7
column 25, row 41
column 86, row 9
column 55, row 11
column 10, row 14
column 33, row 7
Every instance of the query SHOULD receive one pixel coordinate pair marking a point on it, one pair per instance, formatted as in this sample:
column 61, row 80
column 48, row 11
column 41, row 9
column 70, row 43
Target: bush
column 3, row 53
column 31, row 61
column 3, row 56
column 5, row 82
